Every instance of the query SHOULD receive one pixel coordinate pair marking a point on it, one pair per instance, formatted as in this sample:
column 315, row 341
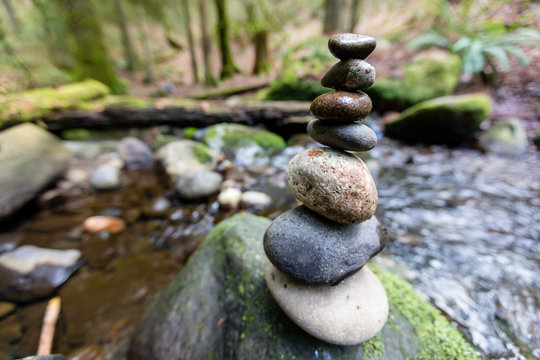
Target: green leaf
column 429, row 40
column 461, row 44
column 517, row 52
column 500, row 55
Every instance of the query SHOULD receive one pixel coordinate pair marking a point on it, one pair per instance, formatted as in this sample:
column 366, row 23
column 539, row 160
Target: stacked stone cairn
column 317, row 252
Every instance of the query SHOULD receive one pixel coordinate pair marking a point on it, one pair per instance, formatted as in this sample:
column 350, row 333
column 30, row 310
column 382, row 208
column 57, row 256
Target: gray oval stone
column 341, row 106
column 349, row 75
column 313, row 249
column 348, row 313
column 198, row 184
column 353, row 136
column 333, row 183
column 351, row 46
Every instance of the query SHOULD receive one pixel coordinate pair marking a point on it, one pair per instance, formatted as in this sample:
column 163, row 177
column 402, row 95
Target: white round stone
column 349, row 313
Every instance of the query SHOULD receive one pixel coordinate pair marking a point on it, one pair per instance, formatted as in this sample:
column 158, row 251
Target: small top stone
column 351, row 46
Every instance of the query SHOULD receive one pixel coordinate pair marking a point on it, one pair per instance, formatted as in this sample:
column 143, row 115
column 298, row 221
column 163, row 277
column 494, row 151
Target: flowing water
column 463, row 228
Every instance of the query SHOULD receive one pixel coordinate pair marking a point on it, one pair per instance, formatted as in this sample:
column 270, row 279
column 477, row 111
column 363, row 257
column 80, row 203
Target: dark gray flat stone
column 313, row 249
column 349, row 75
column 353, row 136
column 351, row 46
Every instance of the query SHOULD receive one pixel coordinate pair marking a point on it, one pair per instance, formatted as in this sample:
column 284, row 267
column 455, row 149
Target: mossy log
column 30, row 158
column 42, row 103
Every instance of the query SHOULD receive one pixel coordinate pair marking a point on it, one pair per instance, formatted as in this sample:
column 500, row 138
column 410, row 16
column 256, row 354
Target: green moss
column 290, row 86
column 162, row 140
column 438, row 339
column 374, row 347
column 269, row 140
column 202, row 153
column 189, row 132
column 449, row 119
column 428, row 76
column 76, row 134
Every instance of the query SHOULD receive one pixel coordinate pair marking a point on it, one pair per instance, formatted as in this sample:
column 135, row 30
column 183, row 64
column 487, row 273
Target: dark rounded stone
column 341, row 106
column 313, row 249
column 353, row 136
column 351, row 46
column 349, row 75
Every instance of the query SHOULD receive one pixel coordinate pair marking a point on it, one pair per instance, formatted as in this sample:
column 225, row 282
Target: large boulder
column 186, row 156
column 431, row 74
column 446, row 120
column 245, row 144
column 30, row 159
column 219, row 307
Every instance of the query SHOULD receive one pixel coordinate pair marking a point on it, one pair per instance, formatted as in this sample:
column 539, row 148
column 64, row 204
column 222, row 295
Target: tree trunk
column 15, row 23
column 206, row 44
column 5, row 47
column 127, row 44
column 191, row 43
column 262, row 55
column 355, row 12
column 228, row 68
column 147, row 49
column 334, row 16
column 88, row 47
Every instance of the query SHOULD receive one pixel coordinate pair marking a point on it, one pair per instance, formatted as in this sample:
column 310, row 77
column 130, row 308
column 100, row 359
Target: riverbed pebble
column 256, row 199
column 316, row 250
column 110, row 224
column 341, row 106
column 351, row 136
column 351, row 46
column 349, row 75
column 200, row 184
column 333, row 183
column 348, row 313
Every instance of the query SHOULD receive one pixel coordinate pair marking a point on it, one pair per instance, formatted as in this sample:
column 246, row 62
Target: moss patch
column 202, row 153
column 429, row 76
column 448, row 120
column 438, row 339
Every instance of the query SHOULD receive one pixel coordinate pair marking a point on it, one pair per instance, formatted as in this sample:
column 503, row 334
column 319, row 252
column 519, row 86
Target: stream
column 463, row 228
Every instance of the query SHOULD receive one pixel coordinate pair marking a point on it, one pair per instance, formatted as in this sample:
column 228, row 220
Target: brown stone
column 349, row 75
column 333, row 183
column 341, row 106
column 111, row 224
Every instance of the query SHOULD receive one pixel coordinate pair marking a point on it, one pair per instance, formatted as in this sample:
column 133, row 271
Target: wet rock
column 506, row 137
column 135, row 153
column 157, row 207
column 6, row 308
column 333, row 183
column 46, row 357
column 186, row 156
column 219, row 307
column 349, row 75
column 351, row 46
column 430, row 74
column 77, row 175
column 348, row 313
column 353, row 136
column 111, row 224
column 341, row 106
column 199, row 184
column 88, row 352
column 230, row 198
column 312, row 249
column 29, row 272
column 30, row 159
column 105, row 177
column 256, row 199
column 445, row 120
column 247, row 145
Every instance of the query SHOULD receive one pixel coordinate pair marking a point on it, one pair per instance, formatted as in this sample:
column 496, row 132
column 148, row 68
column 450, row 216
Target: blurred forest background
column 163, row 47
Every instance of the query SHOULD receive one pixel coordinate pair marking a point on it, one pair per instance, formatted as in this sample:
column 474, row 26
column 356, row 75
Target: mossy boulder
column 219, row 307
column 180, row 157
column 505, row 137
column 429, row 75
column 245, row 144
column 446, row 120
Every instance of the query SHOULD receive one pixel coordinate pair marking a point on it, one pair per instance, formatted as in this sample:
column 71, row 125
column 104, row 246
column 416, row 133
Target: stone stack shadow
column 316, row 253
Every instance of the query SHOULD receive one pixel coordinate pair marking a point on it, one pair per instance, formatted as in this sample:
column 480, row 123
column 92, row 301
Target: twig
column 49, row 323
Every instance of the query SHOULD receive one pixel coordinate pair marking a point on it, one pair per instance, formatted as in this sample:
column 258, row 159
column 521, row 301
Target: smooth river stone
column 351, row 46
column 333, row 183
column 341, row 106
column 349, row 75
column 313, row 249
column 348, row 313
column 353, row 136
